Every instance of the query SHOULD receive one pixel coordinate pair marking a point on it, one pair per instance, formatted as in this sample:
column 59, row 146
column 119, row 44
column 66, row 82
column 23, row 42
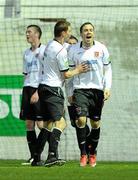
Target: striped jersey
column 31, row 65
column 54, row 63
column 97, row 58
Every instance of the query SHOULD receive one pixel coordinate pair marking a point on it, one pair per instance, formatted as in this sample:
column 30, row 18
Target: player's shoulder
column 26, row 51
column 100, row 43
column 50, row 47
column 54, row 48
column 43, row 46
column 66, row 45
column 54, row 45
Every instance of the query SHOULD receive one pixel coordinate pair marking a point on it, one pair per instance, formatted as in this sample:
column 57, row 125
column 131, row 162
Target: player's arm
column 108, row 80
column 81, row 68
column 63, row 63
column 107, row 74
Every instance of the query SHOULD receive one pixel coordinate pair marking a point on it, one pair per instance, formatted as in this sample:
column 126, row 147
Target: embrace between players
column 84, row 68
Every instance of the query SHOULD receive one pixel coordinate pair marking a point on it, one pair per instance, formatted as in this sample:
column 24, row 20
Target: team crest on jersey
column 96, row 54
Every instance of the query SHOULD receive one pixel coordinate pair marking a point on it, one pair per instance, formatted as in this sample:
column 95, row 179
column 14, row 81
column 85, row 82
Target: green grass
column 13, row 170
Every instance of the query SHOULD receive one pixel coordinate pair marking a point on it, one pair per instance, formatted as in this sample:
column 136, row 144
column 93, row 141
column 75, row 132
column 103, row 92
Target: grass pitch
column 13, row 170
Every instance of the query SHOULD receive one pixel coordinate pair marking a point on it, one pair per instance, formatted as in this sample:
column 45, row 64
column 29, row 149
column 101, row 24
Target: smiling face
column 87, row 34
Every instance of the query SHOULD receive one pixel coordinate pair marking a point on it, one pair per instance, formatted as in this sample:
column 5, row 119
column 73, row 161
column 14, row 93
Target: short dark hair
column 86, row 23
column 60, row 26
column 37, row 28
column 73, row 37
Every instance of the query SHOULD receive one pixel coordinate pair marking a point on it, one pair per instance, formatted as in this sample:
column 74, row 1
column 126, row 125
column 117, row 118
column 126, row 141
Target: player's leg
column 72, row 115
column 54, row 142
column 31, row 139
column 27, row 115
column 87, row 140
column 94, row 140
column 81, row 137
column 39, row 124
column 95, row 116
column 56, row 112
column 81, row 107
column 80, row 133
column 44, row 132
column 73, row 118
column 43, row 137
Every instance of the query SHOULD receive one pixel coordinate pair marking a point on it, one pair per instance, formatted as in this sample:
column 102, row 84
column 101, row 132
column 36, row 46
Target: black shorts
column 52, row 102
column 89, row 102
column 29, row 111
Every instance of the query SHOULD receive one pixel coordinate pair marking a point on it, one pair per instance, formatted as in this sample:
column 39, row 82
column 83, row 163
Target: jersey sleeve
column 63, row 60
column 70, row 57
column 106, row 58
column 41, row 52
column 107, row 69
column 107, row 77
column 24, row 65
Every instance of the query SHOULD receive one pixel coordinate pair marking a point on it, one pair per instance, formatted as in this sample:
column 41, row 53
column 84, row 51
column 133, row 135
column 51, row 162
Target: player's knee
column 40, row 124
column 81, row 122
column 95, row 124
column 30, row 125
column 61, row 124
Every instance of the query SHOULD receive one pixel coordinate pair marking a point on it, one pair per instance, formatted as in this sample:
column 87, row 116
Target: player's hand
column 82, row 68
column 106, row 94
column 34, row 98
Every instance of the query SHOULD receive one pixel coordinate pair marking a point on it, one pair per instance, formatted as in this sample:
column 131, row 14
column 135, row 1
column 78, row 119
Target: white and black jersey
column 97, row 57
column 67, row 46
column 69, row 81
column 55, row 61
column 31, row 66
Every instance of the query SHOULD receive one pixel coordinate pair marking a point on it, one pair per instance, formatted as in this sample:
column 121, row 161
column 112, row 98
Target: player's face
column 72, row 41
column 67, row 34
column 87, row 35
column 31, row 35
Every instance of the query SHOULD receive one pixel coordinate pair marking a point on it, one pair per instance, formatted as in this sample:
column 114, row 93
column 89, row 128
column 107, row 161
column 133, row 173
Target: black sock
column 87, row 139
column 31, row 140
column 41, row 140
column 54, row 140
column 72, row 115
column 81, row 137
column 94, row 139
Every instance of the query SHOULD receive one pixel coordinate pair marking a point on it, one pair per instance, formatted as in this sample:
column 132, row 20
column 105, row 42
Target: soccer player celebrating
column 55, row 70
column 30, row 106
column 91, row 89
column 69, row 91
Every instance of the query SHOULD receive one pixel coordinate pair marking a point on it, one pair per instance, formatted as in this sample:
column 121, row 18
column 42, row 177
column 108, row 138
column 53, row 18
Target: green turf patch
column 13, row 170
